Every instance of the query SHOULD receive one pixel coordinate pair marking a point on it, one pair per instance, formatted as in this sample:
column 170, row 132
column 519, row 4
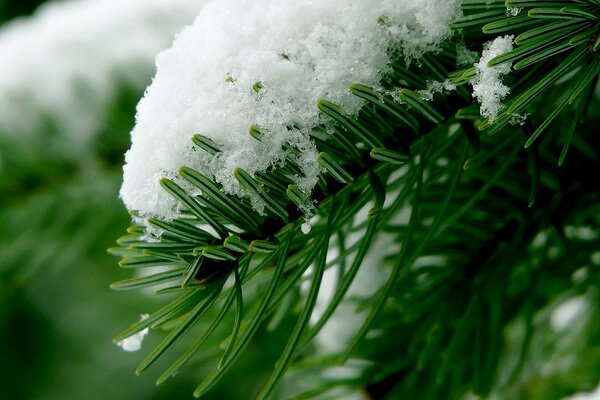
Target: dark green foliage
column 10, row 9
column 487, row 246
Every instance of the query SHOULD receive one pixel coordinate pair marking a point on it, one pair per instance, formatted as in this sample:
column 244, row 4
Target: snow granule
column 265, row 62
column 436, row 87
column 488, row 88
column 134, row 342
column 512, row 11
column 306, row 227
column 518, row 119
column 68, row 60
column 465, row 56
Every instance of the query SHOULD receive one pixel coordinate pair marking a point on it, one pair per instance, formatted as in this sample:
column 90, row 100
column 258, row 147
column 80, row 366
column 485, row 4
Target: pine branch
column 468, row 196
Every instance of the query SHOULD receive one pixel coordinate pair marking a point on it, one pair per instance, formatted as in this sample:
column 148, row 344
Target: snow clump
column 134, row 342
column 488, row 88
column 264, row 62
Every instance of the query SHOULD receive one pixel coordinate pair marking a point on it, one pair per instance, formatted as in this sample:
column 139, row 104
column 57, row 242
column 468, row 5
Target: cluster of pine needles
column 489, row 239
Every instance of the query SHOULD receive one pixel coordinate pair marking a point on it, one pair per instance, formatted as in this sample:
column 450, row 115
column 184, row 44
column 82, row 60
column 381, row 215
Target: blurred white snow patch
column 488, row 88
column 346, row 321
column 67, row 61
column 265, row 62
column 595, row 395
column 584, row 233
column 580, row 275
column 134, row 342
column 566, row 312
column 344, row 392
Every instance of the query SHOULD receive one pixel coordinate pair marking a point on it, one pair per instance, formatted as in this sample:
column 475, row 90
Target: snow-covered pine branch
column 264, row 62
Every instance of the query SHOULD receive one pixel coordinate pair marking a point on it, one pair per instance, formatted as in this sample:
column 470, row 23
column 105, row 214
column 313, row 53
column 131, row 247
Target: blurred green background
column 58, row 215
column 57, row 313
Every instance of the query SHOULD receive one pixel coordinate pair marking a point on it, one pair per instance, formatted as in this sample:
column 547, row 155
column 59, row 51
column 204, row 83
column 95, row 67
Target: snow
column 595, row 395
column 264, row 62
column 134, row 342
column 488, row 88
column 566, row 312
column 346, row 320
column 68, row 60
column 512, row 11
column 306, row 228
column 465, row 56
column 436, row 87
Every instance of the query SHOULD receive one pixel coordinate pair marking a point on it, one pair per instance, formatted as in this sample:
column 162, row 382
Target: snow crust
column 68, row 60
column 264, row 62
column 488, row 88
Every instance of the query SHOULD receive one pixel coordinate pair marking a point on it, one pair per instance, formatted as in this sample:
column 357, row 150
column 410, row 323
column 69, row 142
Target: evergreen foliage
column 503, row 216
